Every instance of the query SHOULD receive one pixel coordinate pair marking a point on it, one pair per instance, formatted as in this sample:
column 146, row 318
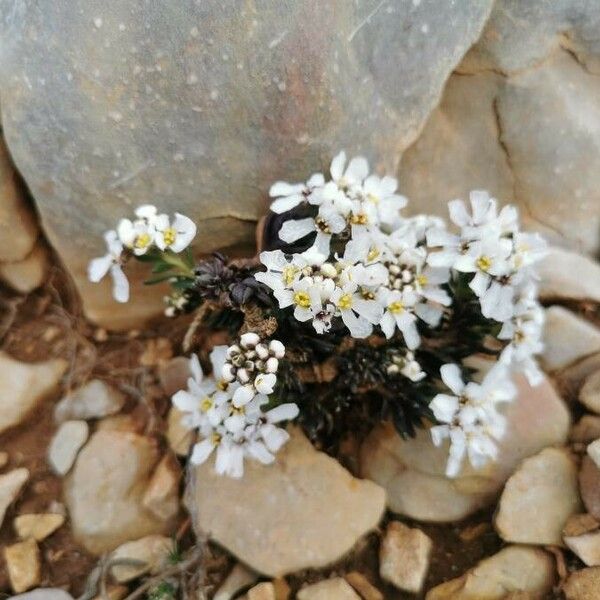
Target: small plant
column 351, row 314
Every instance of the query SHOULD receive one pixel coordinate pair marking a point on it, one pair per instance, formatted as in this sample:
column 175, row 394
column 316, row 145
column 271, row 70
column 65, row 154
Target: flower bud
column 242, row 376
column 262, row 351
column 233, row 350
column 227, row 372
column 328, row 270
column 277, row 349
column 272, row 365
column 249, row 340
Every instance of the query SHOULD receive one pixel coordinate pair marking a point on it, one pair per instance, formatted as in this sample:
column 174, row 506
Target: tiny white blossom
column 175, row 236
column 111, row 263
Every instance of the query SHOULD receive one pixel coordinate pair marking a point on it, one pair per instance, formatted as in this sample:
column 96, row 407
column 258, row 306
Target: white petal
column 357, row 170
column 337, row 166
column 184, row 401
column 259, row 451
column 283, row 412
column 186, row 231
column 120, row 284
column 202, row 451
column 480, row 283
column 444, row 407
column 282, row 188
column 286, row 203
column 243, row 395
column 126, row 232
column 264, row 383
column 294, row 230
column 429, row 313
column 99, row 267
column 451, row 376
column 458, row 213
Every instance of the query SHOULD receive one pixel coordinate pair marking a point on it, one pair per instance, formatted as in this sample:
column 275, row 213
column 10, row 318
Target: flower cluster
column 149, row 230
column 227, row 407
column 370, row 267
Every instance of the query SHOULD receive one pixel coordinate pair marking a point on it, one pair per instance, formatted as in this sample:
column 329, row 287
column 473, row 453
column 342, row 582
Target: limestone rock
column 162, row 494
column 151, row 551
column 571, row 378
column 239, row 577
column 567, row 338
column 105, row 489
column 222, row 85
column 37, row 526
column 44, row 594
column 65, row 445
column 583, row 585
column 593, row 451
column 412, row 471
column 589, row 486
column 287, row 507
column 539, row 498
column 3, row 459
column 10, row 486
column 180, row 438
column 520, row 35
column 404, row 557
column 114, row 592
column 586, row 430
column 330, row 589
column 262, row 591
column 589, row 395
column 28, row 274
column 93, row 400
column 18, row 227
column 23, row 565
column 363, row 586
column 24, row 385
column 513, row 569
column 566, row 274
column 586, row 546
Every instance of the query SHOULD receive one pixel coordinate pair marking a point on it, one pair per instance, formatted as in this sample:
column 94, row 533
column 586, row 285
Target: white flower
column 359, row 312
column 327, row 223
column 469, row 418
column 290, row 195
column 111, row 263
column 380, row 191
column 137, row 235
column 304, row 295
column 398, row 313
column 353, row 175
column 175, row 236
column 148, row 212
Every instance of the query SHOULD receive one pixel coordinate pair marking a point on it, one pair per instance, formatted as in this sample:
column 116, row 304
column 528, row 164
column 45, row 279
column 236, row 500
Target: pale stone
column 571, row 378
column 586, row 430
column 583, row 585
column 513, row 569
column 520, row 35
column 593, row 451
column 174, row 374
column 37, row 526
column 23, row 565
column 3, row 459
column 404, row 557
column 413, row 471
column 105, row 488
column 458, row 150
column 24, row 385
column 65, row 445
column 93, row 400
column 239, row 577
column 539, row 498
column 262, row 591
column 44, row 594
column 152, row 551
column 28, row 274
column 550, row 136
column 114, row 592
column 589, row 486
column 566, row 274
column 18, row 227
column 162, row 495
column 287, row 506
column 568, row 338
column 586, row 546
column 589, row 395
column 330, row 589
column 252, row 80
column 180, row 438
column 363, row 586
column 10, row 486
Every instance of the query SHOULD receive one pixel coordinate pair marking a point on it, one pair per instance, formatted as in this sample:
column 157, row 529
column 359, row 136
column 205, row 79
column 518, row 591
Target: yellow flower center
column 483, row 263
column 222, row 385
column 422, row 279
column 373, row 198
column 206, row 404
column 373, row 254
column 143, row 240
column 367, row 294
column 215, row 438
column 169, row 235
column 302, row 299
column 396, row 307
column 360, row 219
column 238, row 410
column 288, row 274
column 345, row 302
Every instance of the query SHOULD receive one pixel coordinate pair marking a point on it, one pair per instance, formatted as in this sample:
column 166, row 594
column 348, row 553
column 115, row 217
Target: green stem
column 173, row 259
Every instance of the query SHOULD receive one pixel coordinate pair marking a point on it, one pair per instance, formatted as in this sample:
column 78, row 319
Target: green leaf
column 162, row 267
column 158, row 279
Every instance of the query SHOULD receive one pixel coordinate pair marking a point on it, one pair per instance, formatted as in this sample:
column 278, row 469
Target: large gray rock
column 107, row 104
